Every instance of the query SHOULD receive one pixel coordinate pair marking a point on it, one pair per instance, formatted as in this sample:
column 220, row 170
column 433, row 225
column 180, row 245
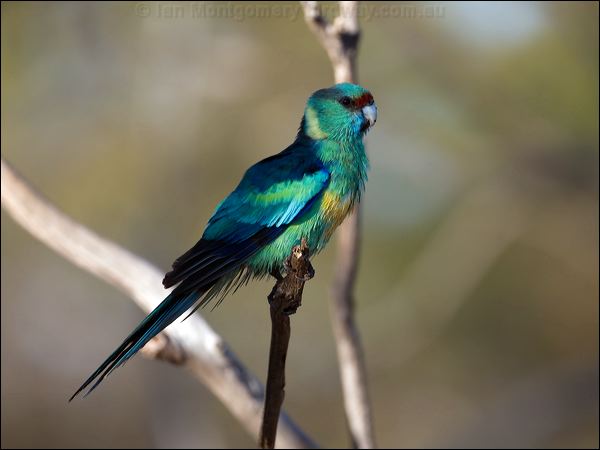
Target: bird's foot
column 310, row 272
column 275, row 273
column 287, row 265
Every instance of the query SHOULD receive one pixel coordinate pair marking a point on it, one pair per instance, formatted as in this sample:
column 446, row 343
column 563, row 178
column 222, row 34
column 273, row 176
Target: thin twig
column 340, row 40
column 192, row 343
column 284, row 300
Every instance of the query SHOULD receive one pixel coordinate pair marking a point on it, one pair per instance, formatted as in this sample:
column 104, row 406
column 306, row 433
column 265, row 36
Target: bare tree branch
column 191, row 343
column 285, row 298
column 340, row 41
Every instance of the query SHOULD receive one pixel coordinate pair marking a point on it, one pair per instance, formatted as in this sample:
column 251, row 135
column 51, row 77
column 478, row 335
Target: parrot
column 303, row 192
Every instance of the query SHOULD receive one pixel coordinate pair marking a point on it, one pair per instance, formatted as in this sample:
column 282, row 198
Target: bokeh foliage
column 478, row 287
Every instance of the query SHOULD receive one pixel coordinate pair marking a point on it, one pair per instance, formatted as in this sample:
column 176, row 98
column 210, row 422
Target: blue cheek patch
column 358, row 124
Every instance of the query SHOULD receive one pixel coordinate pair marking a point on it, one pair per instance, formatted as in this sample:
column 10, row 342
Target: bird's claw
column 287, row 265
column 276, row 274
column 310, row 273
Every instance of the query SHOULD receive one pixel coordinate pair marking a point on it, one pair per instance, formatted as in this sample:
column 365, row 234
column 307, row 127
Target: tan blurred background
column 478, row 287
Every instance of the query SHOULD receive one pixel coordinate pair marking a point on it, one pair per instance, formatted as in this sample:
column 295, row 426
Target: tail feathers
column 163, row 315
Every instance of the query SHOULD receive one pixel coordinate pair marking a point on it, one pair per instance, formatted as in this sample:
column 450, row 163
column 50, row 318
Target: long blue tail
column 163, row 315
column 206, row 270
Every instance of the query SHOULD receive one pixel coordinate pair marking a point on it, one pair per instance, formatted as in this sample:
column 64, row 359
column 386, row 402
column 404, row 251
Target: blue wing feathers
column 272, row 194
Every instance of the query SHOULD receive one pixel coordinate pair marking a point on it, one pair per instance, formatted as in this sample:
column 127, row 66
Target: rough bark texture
column 285, row 298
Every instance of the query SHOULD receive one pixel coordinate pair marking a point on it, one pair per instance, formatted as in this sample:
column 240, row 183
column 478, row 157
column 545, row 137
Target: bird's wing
column 270, row 196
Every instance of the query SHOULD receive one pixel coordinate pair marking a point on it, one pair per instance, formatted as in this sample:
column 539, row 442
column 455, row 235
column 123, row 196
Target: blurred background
column 477, row 295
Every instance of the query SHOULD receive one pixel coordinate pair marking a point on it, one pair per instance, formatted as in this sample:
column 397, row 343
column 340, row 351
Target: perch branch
column 340, row 40
column 192, row 343
column 285, row 298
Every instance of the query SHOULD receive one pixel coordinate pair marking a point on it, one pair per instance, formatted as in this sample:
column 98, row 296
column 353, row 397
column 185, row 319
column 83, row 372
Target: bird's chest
column 339, row 199
column 335, row 206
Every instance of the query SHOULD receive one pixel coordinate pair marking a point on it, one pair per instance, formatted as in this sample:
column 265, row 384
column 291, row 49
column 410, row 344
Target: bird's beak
column 370, row 113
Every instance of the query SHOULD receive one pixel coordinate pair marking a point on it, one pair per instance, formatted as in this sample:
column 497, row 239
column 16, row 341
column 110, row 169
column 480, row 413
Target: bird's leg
column 311, row 272
column 287, row 264
column 275, row 273
column 308, row 272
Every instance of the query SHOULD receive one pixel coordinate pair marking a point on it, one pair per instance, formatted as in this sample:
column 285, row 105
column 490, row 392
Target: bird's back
column 345, row 165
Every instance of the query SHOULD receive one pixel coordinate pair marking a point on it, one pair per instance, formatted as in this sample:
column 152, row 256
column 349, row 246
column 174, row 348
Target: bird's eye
column 345, row 101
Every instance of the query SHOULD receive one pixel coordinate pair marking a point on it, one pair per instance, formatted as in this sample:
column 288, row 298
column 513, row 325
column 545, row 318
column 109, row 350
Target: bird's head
column 343, row 111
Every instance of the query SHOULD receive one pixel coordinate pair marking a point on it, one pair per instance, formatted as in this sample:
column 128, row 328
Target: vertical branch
column 340, row 40
column 284, row 300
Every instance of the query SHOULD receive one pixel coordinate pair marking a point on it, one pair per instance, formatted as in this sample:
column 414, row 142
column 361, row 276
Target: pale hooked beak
column 370, row 113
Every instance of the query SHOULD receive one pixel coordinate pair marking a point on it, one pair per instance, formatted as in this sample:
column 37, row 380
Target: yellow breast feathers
column 335, row 208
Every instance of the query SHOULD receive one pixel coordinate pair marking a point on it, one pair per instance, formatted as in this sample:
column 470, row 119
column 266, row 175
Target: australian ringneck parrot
column 305, row 191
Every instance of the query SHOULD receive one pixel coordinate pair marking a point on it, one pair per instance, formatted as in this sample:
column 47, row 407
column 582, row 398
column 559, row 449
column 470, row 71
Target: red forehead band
column 363, row 100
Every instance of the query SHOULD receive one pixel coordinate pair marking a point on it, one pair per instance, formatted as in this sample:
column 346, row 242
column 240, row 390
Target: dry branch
column 191, row 343
column 340, row 40
column 285, row 298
